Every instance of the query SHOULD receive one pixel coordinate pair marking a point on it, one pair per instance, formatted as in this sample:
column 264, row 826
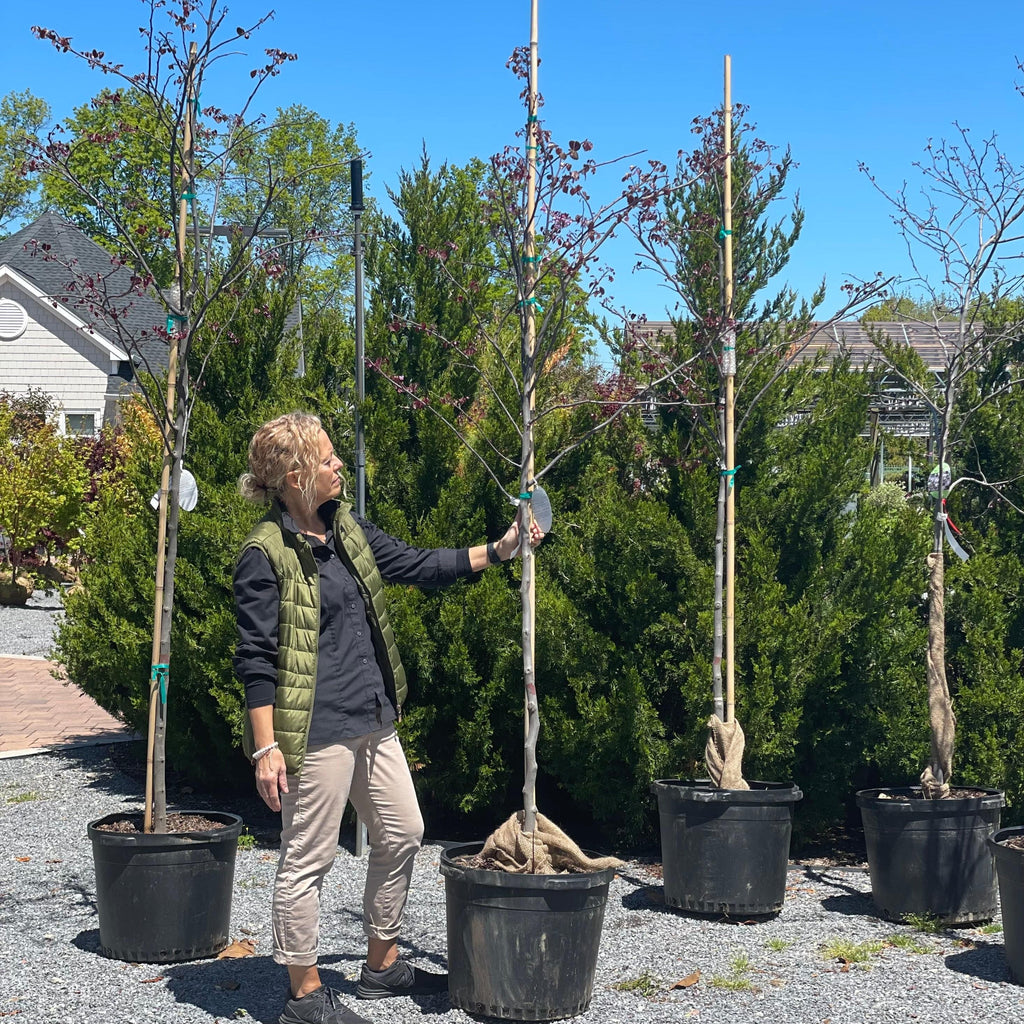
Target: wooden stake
column 528, row 596
column 729, row 367
column 160, row 671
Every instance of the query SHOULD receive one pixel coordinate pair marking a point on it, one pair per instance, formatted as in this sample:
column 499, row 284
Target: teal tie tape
column 526, row 496
column 722, row 232
column 731, row 474
column 188, row 195
column 159, row 675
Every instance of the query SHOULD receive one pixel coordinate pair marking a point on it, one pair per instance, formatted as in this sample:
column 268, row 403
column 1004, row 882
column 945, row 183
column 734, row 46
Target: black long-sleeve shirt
column 350, row 698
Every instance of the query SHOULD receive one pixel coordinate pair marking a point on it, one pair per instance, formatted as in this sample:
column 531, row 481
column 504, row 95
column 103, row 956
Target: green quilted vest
column 298, row 581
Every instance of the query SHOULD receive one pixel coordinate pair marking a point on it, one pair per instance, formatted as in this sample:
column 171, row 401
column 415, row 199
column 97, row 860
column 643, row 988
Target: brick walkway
column 37, row 712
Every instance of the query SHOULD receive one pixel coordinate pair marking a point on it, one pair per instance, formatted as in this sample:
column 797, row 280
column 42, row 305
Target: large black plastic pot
column 725, row 851
column 167, row 897
column 1010, row 872
column 521, row 947
column 931, row 858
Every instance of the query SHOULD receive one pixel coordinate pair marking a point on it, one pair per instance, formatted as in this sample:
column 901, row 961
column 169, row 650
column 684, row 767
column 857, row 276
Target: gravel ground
column 29, row 630
column 51, row 970
column 785, row 971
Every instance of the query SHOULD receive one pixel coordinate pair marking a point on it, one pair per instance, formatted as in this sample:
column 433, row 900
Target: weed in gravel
column 777, row 945
column 246, row 840
column 23, row 798
column 737, row 981
column 992, row 928
column 646, row 986
column 851, row 952
column 901, row 940
column 927, row 923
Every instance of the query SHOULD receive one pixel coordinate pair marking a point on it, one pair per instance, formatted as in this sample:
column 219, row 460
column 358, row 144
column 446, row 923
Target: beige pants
column 372, row 772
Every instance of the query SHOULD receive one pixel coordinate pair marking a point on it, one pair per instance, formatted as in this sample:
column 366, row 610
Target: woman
column 324, row 687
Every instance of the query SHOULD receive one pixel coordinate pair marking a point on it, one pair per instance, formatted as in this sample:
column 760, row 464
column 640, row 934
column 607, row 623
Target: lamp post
column 356, row 206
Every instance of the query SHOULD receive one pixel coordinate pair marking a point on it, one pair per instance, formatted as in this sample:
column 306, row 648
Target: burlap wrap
column 545, row 851
column 723, row 754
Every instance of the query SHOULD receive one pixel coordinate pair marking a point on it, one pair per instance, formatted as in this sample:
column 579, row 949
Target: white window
column 13, row 320
column 81, row 424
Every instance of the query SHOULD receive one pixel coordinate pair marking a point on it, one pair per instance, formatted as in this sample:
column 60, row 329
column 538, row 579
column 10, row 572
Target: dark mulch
column 133, row 824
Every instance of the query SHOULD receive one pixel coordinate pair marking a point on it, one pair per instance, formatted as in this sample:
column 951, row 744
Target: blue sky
column 840, row 83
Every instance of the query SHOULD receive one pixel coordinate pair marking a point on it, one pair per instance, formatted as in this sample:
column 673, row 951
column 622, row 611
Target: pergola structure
column 894, row 410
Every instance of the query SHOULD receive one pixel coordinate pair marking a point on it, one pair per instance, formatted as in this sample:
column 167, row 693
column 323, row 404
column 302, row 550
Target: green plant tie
column 526, row 496
column 531, row 259
column 731, row 474
column 722, row 232
column 533, row 147
column 532, row 119
column 531, row 302
column 159, row 675
column 188, row 195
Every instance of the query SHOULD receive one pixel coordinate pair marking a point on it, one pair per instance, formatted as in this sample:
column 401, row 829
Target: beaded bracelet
column 263, row 751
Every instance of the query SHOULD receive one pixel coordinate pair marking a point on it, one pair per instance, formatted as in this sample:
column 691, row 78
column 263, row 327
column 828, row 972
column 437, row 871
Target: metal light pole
column 356, row 206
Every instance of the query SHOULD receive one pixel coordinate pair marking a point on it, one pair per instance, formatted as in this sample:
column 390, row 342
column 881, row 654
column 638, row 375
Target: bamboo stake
column 159, row 671
column 729, row 368
column 527, row 588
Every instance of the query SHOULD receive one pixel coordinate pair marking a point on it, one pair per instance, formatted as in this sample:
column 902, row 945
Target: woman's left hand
column 509, row 543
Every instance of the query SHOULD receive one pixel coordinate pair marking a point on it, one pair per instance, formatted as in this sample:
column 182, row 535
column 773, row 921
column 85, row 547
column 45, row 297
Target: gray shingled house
column 57, row 336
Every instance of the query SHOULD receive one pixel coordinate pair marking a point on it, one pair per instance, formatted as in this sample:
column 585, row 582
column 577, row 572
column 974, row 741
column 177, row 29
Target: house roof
column 57, row 258
column 852, row 337
column 8, row 273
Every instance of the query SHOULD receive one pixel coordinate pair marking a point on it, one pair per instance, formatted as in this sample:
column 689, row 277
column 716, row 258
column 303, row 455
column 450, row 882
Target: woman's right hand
column 272, row 778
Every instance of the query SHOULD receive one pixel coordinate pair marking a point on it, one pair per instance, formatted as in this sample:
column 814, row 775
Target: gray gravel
column 779, row 971
column 51, row 971
column 30, row 630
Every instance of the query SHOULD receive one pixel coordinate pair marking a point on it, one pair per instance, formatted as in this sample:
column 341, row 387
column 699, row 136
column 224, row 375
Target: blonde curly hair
column 290, row 442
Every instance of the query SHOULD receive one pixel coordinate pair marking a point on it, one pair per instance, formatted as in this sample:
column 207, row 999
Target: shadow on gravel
column 652, row 898
column 646, row 897
column 853, row 905
column 259, row 987
column 848, row 899
column 88, row 941
column 986, row 962
column 255, row 985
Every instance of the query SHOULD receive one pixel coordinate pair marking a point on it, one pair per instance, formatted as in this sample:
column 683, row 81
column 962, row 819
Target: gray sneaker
column 321, row 1006
column 400, row 979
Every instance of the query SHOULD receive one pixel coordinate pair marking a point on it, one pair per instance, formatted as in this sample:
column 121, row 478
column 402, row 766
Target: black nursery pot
column 166, row 897
column 725, row 851
column 931, row 858
column 522, row 947
column 1010, row 872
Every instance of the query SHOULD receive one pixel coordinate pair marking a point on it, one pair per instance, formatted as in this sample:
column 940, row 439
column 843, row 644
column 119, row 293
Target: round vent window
column 13, row 320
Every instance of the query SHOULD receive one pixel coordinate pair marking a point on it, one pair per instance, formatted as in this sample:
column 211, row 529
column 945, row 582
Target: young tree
column 22, row 117
column 314, row 155
column 963, row 232
column 533, row 402
column 716, row 247
column 117, row 171
column 42, row 477
column 203, row 146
